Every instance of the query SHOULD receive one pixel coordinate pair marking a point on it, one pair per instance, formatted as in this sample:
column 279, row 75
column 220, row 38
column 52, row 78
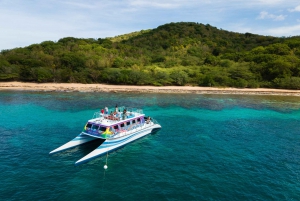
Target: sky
column 26, row 22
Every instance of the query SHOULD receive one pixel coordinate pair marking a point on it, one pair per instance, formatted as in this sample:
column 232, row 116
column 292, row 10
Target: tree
column 278, row 69
column 162, row 77
column 26, row 74
column 288, row 83
column 179, row 77
column 207, row 80
column 278, row 49
column 43, row 74
column 74, row 61
column 118, row 62
column 8, row 72
column 212, row 60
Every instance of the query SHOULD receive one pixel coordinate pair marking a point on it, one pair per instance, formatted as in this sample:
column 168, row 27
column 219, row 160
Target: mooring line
column 105, row 167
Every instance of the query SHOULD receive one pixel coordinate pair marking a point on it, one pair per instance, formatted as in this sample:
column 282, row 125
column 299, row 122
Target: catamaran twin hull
column 115, row 133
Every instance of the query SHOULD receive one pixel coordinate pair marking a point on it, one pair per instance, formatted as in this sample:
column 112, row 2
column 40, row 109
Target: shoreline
column 76, row 87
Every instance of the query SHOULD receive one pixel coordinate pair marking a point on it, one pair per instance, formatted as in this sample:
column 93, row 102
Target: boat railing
column 131, row 109
column 97, row 115
column 154, row 121
column 121, row 109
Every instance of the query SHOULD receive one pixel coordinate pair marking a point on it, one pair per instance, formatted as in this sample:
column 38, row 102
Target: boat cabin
column 105, row 124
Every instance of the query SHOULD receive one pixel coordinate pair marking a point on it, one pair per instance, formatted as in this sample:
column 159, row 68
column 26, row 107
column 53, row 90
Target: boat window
column 116, row 127
column 102, row 128
column 89, row 125
column 139, row 120
column 95, row 127
column 122, row 125
column 133, row 121
column 128, row 123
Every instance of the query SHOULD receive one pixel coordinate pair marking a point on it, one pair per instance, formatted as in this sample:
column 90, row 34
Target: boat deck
column 116, row 124
column 109, row 120
column 121, row 132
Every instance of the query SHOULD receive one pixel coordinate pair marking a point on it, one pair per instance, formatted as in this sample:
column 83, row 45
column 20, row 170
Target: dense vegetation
column 172, row 54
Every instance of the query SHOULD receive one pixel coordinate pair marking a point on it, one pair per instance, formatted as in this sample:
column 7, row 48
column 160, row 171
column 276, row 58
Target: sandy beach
column 71, row 87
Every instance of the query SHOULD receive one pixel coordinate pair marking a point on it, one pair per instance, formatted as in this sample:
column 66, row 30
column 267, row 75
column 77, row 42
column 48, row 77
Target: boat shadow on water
column 88, row 147
column 83, row 149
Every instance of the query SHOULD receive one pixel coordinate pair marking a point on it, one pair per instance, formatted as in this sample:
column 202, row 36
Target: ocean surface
column 210, row 147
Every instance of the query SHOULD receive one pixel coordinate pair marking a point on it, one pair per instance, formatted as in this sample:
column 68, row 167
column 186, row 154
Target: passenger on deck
column 116, row 109
column 110, row 116
column 148, row 120
column 124, row 115
column 117, row 116
column 102, row 111
column 106, row 110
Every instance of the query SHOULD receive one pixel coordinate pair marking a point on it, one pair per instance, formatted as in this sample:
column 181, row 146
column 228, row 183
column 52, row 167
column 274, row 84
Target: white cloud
column 280, row 31
column 78, row 4
column 155, row 4
column 27, row 22
column 266, row 15
column 269, row 2
column 296, row 9
column 293, row 30
column 279, row 17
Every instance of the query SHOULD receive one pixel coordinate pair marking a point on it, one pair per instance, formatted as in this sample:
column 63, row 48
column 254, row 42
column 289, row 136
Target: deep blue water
column 210, row 147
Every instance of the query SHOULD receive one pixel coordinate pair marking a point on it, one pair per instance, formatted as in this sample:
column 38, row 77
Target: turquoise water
column 210, row 147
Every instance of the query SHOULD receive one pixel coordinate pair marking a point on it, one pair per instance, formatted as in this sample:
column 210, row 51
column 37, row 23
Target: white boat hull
column 113, row 144
column 80, row 139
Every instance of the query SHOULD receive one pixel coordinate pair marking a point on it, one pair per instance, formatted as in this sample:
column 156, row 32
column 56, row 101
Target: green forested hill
column 172, row 54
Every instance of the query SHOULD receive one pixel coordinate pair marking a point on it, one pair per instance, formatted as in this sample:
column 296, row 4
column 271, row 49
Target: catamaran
column 115, row 127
